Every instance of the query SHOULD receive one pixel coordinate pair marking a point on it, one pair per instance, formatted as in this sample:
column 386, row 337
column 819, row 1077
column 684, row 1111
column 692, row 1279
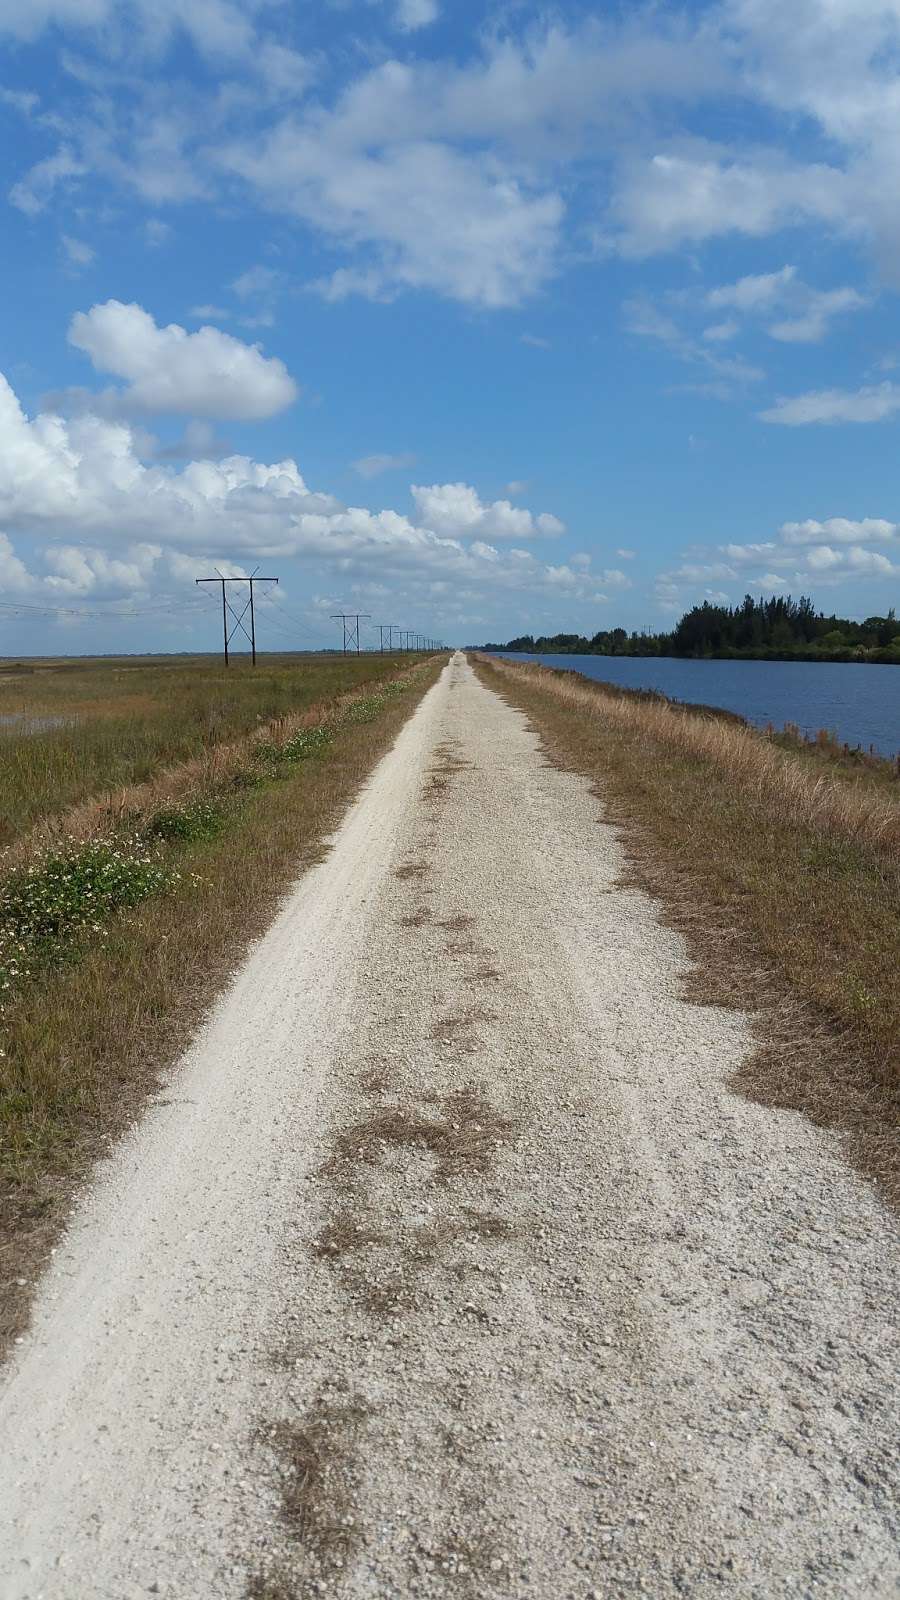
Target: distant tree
column 779, row 627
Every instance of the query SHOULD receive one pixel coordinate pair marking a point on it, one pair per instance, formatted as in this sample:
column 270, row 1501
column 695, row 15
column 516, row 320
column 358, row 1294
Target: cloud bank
column 108, row 523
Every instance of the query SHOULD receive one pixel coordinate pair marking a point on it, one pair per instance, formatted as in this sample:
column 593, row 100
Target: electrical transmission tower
column 228, row 610
column 386, row 628
column 351, row 621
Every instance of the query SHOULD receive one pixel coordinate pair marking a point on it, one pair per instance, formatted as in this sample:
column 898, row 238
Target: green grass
column 197, row 819
column 120, row 721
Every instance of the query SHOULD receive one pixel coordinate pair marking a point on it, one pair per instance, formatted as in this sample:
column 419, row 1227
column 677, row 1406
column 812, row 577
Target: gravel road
column 448, row 1263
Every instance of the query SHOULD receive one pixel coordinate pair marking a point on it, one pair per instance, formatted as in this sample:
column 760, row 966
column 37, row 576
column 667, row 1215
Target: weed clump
column 46, row 907
column 303, row 744
column 198, row 819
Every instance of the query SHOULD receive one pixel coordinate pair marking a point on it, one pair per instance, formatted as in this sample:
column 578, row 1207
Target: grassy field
column 118, row 925
column 779, row 862
column 73, row 730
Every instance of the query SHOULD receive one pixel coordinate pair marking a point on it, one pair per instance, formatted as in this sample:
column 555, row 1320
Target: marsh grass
column 782, row 869
column 122, row 721
column 52, row 897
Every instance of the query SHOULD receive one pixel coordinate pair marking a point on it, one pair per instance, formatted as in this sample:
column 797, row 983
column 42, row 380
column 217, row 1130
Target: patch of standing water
column 25, row 722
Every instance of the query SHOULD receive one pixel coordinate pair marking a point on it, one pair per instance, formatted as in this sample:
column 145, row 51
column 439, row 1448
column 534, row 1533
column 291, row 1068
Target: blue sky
column 482, row 319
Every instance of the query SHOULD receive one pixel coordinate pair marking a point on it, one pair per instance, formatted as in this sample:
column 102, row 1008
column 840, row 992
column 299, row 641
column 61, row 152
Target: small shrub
column 367, row 707
column 300, row 746
column 307, row 742
column 198, row 819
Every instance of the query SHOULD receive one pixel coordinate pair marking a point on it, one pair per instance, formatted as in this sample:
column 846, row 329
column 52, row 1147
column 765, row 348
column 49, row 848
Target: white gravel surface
column 448, row 1263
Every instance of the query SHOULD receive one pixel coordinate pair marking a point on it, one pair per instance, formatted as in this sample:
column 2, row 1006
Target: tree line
column 779, row 629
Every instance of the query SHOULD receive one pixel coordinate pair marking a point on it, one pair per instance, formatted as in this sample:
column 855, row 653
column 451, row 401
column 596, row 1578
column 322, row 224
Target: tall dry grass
column 768, row 778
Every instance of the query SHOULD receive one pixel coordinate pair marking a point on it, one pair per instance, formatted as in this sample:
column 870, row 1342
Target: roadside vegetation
column 779, row 859
column 121, row 918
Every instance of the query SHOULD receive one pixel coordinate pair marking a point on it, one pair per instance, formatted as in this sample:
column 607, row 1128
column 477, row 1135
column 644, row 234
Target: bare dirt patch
column 317, row 1463
column 465, row 1140
column 417, row 918
column 411, row 869
column 445, row 1028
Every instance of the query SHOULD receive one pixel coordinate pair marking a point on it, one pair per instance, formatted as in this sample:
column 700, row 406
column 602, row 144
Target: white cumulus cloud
column 804, row 555
column 839, row 530
column 855, row 560
column 398, row 202
column 456, row 509
column 167, row 369
column 671, row 200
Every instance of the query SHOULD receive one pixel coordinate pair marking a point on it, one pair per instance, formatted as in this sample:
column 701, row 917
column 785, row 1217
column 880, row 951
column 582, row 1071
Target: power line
column 300, row 622
column 22, row 608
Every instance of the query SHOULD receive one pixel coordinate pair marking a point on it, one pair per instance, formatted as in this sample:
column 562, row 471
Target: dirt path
column 449, row 1264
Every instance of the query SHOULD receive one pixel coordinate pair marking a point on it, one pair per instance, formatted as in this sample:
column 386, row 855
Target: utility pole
column 351, row 621
column 228, row 608
column 386, row 628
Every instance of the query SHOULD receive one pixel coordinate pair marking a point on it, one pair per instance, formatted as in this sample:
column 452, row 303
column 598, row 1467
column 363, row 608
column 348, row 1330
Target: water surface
column 28, row 722
column 858, row 702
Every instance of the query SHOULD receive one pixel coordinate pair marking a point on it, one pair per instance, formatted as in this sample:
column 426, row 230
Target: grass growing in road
column 779, row 863
column 129, row 937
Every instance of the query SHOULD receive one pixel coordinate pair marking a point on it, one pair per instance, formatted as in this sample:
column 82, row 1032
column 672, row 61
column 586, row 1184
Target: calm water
column 858, row 703
column 24, row 722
